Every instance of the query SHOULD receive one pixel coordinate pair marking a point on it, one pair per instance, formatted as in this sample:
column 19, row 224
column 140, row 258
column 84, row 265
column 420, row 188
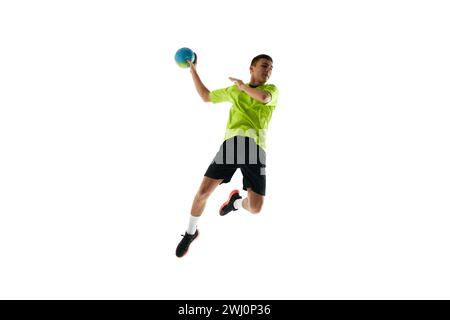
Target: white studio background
column 104, row 142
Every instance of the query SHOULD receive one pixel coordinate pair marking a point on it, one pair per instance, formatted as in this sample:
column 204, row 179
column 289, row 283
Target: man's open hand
column 238, row 83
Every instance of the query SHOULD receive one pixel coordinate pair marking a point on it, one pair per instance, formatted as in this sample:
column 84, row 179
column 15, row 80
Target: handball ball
column 183, row 55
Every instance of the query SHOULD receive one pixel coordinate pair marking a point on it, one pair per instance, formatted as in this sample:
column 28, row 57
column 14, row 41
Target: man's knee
column 204, row 192
column 256, row 208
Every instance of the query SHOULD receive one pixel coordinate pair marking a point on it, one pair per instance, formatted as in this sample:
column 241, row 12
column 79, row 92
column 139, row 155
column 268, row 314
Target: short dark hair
column 259, row 57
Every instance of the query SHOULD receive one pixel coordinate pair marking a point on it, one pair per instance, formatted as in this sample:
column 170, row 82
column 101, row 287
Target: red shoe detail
column 229, row 198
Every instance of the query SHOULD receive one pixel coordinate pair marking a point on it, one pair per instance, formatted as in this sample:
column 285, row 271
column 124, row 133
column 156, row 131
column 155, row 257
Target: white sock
column 237, row 204
column 192, row 225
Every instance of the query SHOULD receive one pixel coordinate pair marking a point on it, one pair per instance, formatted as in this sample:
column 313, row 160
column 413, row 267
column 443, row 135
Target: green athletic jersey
column 248, row 117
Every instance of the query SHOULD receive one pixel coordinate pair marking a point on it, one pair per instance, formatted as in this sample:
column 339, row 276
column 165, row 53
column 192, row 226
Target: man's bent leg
column 253, row 202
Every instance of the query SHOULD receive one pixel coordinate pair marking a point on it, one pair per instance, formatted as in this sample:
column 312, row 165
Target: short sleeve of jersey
column 273, row 90
column 220, row 95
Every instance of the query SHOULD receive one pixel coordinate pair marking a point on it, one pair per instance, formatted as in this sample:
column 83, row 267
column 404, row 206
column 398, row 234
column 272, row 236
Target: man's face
column 262, row 71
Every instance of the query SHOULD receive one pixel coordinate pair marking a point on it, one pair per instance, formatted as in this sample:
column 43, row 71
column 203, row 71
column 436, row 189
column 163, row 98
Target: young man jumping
column 244, row 145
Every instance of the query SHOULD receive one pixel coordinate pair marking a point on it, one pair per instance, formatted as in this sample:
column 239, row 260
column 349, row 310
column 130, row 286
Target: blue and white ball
column 183, row 55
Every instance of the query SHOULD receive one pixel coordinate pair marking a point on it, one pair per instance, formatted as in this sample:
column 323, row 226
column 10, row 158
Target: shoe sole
column 229, row 198
column 198, row 233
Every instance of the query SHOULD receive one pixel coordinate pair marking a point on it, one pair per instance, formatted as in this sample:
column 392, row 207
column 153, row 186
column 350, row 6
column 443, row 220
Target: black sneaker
column 184, row 244
column 228, row 206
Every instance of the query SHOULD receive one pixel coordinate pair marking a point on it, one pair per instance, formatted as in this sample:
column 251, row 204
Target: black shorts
column 243, row 153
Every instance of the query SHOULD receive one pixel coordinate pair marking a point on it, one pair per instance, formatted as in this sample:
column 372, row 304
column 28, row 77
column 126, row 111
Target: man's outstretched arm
column 201, row 89
column 260, row 95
